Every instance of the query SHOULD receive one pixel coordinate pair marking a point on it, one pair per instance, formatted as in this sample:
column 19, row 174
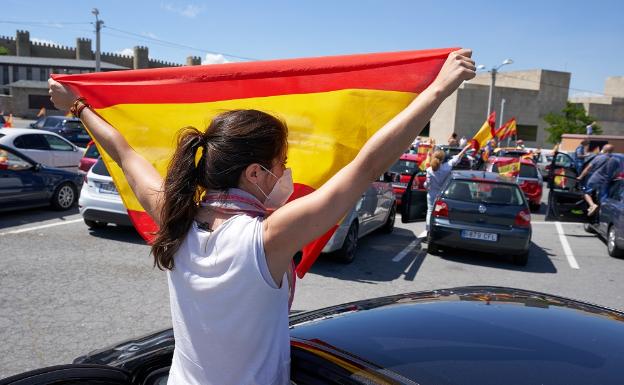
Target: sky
column 581, row 37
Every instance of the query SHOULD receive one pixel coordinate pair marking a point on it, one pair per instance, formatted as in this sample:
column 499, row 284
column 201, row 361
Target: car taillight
column 530, row 186
column 440, row 209
column 523, row 219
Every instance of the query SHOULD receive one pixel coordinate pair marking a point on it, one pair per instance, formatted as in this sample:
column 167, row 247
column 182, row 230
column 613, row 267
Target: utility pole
column 98, row 27
column 500, row 119
column 493, row 71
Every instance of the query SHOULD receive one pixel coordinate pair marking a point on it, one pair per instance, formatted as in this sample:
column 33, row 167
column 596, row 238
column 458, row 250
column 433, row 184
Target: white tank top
column 230, row 320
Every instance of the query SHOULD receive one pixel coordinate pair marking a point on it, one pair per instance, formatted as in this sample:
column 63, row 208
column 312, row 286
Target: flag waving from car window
column 331, row 105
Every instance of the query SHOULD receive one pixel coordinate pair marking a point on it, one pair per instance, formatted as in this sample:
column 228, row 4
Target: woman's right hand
column 458, row 67
column 61, row 96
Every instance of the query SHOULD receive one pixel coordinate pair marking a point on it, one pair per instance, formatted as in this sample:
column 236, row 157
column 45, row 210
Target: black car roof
column 482, row 175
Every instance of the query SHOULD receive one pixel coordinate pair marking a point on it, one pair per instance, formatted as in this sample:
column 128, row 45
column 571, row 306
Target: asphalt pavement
column 66, row 290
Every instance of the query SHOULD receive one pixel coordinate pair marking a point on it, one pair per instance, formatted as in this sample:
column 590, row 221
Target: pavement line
column 406, row 251
column 40, row 227
column 567, row 250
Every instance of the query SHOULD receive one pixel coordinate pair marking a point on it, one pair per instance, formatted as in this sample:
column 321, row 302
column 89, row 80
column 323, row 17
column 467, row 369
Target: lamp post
column 493, row 71
column 98, row 27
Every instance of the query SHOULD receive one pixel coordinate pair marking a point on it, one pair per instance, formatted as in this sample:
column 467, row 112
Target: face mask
column 280, row 193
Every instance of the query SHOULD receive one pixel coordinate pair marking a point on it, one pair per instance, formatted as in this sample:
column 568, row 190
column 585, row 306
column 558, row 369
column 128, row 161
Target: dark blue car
column 71, row 129
column 26, row 183
column 610, row 224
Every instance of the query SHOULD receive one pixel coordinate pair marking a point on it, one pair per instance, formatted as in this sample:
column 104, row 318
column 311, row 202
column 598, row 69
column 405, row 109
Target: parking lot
column 66, row 290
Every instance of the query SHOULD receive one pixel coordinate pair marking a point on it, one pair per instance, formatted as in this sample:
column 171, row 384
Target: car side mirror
column 37, row 167
column 413, row 202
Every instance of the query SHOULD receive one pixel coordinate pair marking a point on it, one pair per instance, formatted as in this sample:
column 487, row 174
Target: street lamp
column 493, row 71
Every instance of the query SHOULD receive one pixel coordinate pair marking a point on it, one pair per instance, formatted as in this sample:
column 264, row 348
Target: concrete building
column 26, row 68
column 529, row 96
column 608, row 110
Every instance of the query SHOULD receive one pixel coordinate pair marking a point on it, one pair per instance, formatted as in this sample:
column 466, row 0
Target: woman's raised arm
column 293, row 226
column 143, row 178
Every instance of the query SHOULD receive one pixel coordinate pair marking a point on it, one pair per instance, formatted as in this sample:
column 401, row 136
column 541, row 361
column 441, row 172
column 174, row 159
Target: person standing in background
column 580, row 153
column 589, row 130
column 452, row 141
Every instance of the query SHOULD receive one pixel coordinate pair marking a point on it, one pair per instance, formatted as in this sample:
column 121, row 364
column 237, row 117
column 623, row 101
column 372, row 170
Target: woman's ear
column 252, row 173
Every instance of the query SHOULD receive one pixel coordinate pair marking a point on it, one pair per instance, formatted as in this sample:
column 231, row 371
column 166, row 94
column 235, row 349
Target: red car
column 91, row 156
column 405, row 167
column 527, row 176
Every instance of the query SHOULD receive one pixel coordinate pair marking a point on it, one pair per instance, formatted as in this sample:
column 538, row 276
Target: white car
column 100, row 203
column 43, row 147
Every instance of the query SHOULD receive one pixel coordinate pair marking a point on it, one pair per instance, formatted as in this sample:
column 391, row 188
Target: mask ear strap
column 263, row 193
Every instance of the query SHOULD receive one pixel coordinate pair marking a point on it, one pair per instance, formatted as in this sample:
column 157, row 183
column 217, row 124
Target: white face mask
column 280, row 193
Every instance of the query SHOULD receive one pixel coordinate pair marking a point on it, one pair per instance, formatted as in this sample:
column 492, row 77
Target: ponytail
column 437, row 158
column 181, row 195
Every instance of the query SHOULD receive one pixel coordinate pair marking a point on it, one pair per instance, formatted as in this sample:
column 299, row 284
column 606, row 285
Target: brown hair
column 437, row 159
column 233, row 140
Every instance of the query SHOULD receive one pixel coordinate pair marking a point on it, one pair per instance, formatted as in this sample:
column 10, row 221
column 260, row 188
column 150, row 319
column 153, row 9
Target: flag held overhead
column 332, row 105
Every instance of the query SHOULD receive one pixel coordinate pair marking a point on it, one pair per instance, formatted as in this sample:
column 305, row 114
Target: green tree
column 4, row 51
column 572, row 120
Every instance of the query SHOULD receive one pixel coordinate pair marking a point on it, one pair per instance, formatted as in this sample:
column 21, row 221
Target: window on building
column 37, row 101
column 15, row 73
column 527, row 132
column 5, row 74
column 29, row 73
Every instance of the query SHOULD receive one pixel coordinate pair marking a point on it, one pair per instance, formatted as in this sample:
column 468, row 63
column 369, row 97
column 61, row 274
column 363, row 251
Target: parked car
column 403, row 170
column 481, row 211
column 376, row 210
column 610, row 219
column 529, row 179
column 466, row 335
column 542, row 161
column 466, row 162
column 26, row 183
column 100, row 203
column 511, row 152
column 44, row 147
column 47, row 122
column 71, row 129
column 89, row 158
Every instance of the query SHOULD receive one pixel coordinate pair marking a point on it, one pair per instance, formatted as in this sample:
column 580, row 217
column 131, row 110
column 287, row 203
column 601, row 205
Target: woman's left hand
column 61, row 96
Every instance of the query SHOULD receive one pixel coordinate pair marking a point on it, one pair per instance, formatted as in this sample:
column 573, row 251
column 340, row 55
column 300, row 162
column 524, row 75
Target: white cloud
column 189, row 10
column 150, row 35
column 212, row 58
column 43, row 41
column 126, row 52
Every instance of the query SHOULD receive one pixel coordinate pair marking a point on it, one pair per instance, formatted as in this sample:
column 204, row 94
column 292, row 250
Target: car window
column 74, row 125
column 99, row 168
column 404, row 167
column 51, row 122
column 563, row 160
column 58, row 144
column 1, row 135
column 528, row 171
column 10, row 161
column 479, row 191
column 31, row 142
column 92, row 152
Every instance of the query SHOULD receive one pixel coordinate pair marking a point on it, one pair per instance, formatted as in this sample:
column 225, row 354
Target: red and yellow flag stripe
column 331, row 105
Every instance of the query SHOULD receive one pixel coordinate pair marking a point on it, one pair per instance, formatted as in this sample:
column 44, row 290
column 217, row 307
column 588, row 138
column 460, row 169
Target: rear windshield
column 92, row 152
column 478, row 191
column 99, row 168
column 404, row 167
column 528, row 171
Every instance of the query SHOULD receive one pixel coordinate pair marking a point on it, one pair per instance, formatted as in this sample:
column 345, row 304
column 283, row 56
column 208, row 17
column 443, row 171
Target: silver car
column 375, row 210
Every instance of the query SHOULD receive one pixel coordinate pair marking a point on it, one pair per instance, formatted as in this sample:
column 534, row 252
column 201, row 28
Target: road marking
column 406, row 250
column 40, row 227
column 567, row 250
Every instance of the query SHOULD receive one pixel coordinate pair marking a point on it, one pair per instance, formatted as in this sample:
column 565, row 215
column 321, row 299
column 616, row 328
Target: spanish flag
column 332, row 105
column 507, row 130
column 510, row 168
column 487, row 130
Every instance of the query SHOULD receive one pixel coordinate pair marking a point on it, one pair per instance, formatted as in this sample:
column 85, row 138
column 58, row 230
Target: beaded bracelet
column 78, row 106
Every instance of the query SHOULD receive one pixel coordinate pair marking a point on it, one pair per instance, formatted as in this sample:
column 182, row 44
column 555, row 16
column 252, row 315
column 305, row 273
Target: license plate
column 107, row 188
column 490, row 237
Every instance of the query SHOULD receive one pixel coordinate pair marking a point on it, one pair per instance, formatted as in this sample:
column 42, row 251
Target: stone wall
column 6, row 104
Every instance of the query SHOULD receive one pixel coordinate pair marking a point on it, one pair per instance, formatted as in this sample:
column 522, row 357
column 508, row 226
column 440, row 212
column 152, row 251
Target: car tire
column 64, row 197
column 612, row 246
column 521, row 259
column 388, row 227
column 432, row 247
column 535, row 206
column 588, row 228
column 346, row 254
column 95, row 224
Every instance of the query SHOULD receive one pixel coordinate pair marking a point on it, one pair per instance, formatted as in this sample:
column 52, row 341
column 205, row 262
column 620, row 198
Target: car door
column 64, row 154
column 366, row 210
column 413, row 202
column 610, row 208
column 20, row 183
column 35, row 147
column 72, row 375
column 565, row 196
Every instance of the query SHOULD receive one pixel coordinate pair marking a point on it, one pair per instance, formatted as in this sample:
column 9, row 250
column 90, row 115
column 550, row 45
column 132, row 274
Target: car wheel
column 388, row 227
column 612, row 247
column 588, row 228
column 521, row 259
column 64, row 196
column 346, row 254
column 95, row 224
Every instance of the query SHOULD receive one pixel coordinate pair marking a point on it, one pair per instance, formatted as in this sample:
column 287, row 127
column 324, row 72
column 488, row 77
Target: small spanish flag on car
column 332, row 105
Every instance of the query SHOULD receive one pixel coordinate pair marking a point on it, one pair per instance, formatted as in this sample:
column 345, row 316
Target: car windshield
column 92, row 152
column 99, row 168
column 527, row 171
column 404, row 167
column 483, row 191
